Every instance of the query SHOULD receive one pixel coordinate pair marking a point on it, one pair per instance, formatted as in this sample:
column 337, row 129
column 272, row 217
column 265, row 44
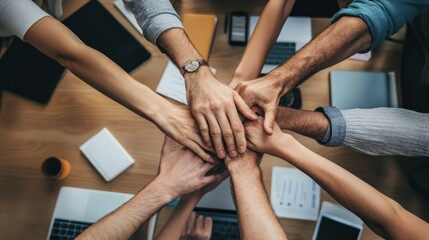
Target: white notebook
column 106, row 154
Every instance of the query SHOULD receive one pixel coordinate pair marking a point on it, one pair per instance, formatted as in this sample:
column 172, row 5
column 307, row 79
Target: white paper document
column 361, row 56
column 294, row 194
column 172, row 84
column 128, row 15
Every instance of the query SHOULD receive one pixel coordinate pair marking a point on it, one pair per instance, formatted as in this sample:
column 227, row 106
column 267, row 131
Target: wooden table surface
column 30, row 133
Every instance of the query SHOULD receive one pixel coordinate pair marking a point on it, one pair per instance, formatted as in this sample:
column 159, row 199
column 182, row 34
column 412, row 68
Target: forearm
column 264, row 36
column 255, row 215
column 123, row 222
column 382, row 214
column 176, row 44
column 101, row 73
column 308, row 123
column 339, row 41
column 175, row 224
column 387, row 131
column 56, row 41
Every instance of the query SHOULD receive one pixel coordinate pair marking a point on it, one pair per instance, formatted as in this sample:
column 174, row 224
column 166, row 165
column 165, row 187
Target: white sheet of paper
column 361, row 56
column 128, row 15
column 172, row 84
column 294, row 194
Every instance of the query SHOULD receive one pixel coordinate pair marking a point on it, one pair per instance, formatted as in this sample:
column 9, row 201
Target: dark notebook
column 26, row 71
column 97, row 28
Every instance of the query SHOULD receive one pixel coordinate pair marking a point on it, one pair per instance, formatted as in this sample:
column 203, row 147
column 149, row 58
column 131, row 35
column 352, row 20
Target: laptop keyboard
column 280, row 52
column 225, row 230
column 66, row 229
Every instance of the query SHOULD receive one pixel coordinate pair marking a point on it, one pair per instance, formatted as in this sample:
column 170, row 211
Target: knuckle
column 237, row 127
column 198, row 107
column 215, row 106
column 207, row 140
column 228, row 133
column 182, row 139
column 231, row 147
column 204, row 128
column 215, row 132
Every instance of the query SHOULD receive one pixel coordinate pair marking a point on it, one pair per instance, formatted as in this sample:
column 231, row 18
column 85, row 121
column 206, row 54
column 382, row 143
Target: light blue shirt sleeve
column 384, row 17
column 154, row 17
column 336, row 131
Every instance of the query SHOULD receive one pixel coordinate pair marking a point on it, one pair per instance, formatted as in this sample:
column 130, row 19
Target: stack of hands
column 216, row 111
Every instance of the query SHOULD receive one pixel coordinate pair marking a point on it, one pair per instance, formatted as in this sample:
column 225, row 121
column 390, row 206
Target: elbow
column 69, row 55
column 393, row 218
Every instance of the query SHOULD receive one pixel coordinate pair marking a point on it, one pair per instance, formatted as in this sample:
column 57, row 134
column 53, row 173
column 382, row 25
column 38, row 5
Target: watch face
column 192, row 66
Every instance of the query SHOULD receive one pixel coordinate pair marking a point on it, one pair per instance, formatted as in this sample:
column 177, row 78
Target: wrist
column 239, row 168
column 201, row 73
column 278, row 81
column 240, row 175
column 236, row 79
column 159, row 112
column 291, row 151
column 165, row 190
column 283, row 79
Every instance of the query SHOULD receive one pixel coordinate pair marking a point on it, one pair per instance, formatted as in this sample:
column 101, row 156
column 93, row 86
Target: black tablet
column 26, row 71
column 97, row 28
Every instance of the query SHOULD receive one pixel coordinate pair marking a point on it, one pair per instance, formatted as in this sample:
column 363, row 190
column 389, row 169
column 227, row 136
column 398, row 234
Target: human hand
column 177, row 122
column 181, row 171
column 265, row 93
column 258, row 140
column 216, row 109
column 197, row 228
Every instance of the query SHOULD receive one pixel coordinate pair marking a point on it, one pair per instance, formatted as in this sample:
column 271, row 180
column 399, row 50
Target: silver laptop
column 296, row 32
column 219, row 205
column 78, row 208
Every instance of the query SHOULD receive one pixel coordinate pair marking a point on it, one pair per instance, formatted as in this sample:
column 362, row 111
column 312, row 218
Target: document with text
column 294, row 194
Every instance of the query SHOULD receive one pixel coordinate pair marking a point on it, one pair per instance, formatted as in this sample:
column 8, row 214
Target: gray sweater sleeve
column 387, row 131
column 154, row 17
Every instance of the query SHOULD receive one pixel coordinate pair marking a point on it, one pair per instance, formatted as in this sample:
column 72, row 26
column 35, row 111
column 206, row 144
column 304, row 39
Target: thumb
column 270, row 116
column 243, row 108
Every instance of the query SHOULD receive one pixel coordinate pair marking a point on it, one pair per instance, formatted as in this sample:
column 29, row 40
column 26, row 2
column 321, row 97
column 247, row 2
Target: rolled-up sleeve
column 154, row 17
column 383, row 17
column 336, row 132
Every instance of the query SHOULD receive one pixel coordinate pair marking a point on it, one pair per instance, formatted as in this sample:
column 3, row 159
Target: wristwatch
column 193, row 65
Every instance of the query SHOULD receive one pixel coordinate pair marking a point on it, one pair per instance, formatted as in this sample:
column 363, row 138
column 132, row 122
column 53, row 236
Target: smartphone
column 238, row 29
column 291, row 99
column 336, row 222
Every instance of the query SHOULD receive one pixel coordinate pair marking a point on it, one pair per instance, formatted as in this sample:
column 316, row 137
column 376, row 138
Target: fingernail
column 234, row 153
column 221, row 154
column 241, row 149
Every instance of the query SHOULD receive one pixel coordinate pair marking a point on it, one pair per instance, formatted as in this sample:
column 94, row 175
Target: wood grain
column 30, row 132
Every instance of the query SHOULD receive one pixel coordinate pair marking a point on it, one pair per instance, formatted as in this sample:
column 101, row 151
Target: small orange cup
column 56, row 168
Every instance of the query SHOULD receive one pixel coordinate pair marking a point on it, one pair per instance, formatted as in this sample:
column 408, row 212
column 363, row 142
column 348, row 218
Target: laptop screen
column 220, row 198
